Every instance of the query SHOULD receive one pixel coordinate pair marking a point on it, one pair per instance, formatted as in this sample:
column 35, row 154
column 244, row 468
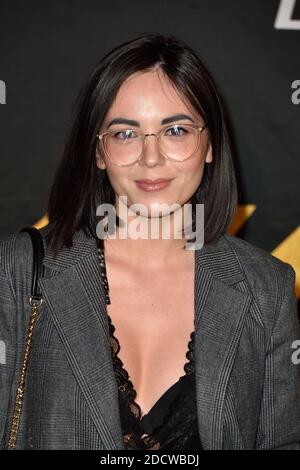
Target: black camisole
column 171, row 423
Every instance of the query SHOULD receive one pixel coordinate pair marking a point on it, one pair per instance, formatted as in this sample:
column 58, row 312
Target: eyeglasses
column 124, row 147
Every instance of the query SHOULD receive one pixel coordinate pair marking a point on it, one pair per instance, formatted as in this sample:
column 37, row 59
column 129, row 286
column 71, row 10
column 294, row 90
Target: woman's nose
column 151, row 155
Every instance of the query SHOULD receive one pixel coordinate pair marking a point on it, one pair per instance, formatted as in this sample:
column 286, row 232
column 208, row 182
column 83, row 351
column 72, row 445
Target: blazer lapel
column 220, row 311
column 76, row 301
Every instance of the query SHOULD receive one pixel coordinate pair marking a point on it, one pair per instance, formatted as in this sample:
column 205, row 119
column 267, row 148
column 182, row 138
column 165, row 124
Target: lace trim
column 136, row 442
column 103, row 273
column 127, row 392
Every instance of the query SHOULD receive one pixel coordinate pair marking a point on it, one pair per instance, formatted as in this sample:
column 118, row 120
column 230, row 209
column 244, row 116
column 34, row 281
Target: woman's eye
column 177, row 131
column 123, row 135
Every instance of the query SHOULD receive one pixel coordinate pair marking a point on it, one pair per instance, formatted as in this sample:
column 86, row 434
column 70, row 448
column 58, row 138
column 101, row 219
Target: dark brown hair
column 79, row 186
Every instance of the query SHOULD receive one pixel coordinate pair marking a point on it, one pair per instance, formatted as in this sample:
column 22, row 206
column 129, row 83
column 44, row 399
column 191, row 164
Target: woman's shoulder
column 15, row 257
column 14, row 245
column 16, row 250
column 261, row 268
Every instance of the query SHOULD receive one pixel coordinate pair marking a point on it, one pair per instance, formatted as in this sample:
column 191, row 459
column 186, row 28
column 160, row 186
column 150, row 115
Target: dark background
column 48, row 48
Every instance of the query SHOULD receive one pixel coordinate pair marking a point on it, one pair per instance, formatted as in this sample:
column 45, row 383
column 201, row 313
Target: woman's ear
column 209, row 156
column 100, row 161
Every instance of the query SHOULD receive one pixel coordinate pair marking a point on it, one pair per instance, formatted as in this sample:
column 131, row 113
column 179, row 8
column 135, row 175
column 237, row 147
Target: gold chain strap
column 35, row 305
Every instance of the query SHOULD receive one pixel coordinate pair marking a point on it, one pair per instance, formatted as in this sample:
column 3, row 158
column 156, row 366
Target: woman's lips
column 153, row 185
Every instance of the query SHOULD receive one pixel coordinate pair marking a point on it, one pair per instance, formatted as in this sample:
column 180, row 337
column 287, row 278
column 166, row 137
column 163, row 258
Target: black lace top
column 172, row 421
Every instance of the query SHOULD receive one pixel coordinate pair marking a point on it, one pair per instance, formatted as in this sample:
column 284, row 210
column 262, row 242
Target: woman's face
column 148, row 97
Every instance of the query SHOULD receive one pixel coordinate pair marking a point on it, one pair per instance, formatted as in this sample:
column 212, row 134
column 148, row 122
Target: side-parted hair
column 79, row 186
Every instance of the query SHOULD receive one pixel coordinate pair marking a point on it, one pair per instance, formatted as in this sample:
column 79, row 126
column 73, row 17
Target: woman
column 141, row 344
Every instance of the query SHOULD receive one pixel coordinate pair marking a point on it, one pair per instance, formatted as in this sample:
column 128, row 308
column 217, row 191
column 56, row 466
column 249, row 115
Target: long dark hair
column 79, row 186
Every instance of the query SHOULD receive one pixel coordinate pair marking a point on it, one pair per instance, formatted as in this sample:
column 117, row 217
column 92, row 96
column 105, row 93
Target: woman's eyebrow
column 130, row 122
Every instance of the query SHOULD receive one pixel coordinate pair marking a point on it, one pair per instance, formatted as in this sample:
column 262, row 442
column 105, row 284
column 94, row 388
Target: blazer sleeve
column 279, row 420
column 7, row 347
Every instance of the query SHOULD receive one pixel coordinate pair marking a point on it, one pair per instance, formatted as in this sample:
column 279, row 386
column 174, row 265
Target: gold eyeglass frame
column 99, row 137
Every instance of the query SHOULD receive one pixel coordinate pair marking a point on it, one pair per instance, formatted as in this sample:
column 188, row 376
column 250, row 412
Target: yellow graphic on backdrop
column 289, row 252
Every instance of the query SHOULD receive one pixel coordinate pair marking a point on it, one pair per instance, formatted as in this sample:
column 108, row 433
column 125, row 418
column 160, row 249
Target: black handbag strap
column 35, row 301
column 38, row 255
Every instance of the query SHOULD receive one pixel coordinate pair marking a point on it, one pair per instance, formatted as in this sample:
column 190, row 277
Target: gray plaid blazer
column 247, row 386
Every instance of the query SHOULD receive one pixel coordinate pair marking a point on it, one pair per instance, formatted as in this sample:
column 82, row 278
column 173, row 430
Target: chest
column 153, row 317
